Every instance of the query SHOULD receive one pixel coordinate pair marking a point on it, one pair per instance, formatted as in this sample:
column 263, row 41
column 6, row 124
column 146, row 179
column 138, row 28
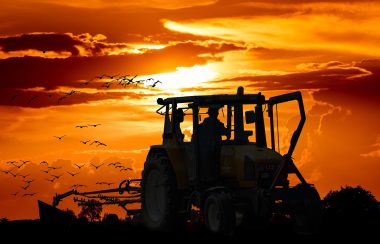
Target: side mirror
column 250, row 117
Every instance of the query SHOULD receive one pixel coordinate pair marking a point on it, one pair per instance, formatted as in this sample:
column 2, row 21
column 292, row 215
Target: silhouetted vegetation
column 91, row 211
column 111, row 219
column 4, row 220
column 71, row 212
column 351, row 209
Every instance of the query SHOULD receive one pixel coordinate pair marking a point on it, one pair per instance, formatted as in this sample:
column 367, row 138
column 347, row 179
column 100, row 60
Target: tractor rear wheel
column 219, row 213
column 307, row 212
column 159, row 196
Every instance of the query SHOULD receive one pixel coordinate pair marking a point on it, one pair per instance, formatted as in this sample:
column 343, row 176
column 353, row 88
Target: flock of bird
column 107, row 82
column 96, row 142
column 53, row 174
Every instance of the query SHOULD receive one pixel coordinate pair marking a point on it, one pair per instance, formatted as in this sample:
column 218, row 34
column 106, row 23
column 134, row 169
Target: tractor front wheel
column 219, row 213
column 159, row 193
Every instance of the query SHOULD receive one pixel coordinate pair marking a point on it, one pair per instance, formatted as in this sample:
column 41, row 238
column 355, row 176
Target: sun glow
column 185, row 77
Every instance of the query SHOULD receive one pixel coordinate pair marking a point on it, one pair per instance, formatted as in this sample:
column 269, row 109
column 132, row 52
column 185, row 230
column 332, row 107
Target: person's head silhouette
column 180, row 115
column 213, row 112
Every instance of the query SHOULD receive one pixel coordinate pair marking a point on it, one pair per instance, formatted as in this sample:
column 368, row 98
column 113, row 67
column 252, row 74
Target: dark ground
column 37, row 232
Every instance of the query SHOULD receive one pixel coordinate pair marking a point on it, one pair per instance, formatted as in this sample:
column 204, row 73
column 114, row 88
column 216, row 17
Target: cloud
column 375, row 153
column 57, row 45
column 44, row 76
column 323, row 75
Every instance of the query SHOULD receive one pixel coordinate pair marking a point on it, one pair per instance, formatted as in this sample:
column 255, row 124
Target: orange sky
column 327, row 49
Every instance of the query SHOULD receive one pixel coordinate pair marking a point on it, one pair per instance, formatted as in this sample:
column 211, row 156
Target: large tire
column 307, row 211
column 219, row 213
column 159, row 196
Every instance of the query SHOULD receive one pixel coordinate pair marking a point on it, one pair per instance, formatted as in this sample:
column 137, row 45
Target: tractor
column 219, row 170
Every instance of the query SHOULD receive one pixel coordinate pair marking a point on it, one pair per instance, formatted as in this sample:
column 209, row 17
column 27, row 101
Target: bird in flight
column 104, row 183
column 155, row 83
column 22, row 163
column 85, row 83
column 130, row 80
column 24, row 176
column 85, row 142
column 100, row 77
column 18, row 166
column 6, row 171
column 81, row 126
column 14, row 194
column 97, row 166
column 51, row 180
column 57, row 176
column 114, row 164
column 79, row 166
column 25, row 187
column 29, row 194
column 14, row 175
column 59, row 137
column 72, row 174
column 33, row 98
column 54, row 168
column 50, row 95
column 107, row 84
column 46, row 171
column 94, row 125
column 112, row 76
column 72, row 92
column 101, row 144
column 76, row 186
column 125, row 169
column 28, row 181
column 44, row 163
column 15, row 96
column 61, row 99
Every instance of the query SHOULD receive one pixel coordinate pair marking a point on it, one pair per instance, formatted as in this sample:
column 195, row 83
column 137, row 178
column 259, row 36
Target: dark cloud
column 303, row 80
column 294, row 56
column 41, row 42
column 49, row 74
column 91, row 45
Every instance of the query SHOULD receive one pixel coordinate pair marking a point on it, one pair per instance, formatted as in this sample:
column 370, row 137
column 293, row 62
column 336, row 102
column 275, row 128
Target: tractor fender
column 176, row 162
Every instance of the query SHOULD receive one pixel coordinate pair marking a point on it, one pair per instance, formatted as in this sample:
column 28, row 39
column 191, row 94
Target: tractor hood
column 249, row 163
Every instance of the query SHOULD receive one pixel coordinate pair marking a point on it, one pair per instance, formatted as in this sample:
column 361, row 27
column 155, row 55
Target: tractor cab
column 212, row 133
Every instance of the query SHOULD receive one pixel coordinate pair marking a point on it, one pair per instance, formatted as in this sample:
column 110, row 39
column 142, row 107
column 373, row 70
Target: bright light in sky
column 185, row 77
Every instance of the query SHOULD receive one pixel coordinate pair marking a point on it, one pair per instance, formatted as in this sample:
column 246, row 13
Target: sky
column 328, row 50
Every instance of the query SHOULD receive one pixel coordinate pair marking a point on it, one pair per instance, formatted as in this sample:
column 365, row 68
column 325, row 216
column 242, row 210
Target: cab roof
column 215, row 99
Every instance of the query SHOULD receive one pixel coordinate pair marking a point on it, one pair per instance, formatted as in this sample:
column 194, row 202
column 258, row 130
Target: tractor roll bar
column 214, row 99
column 296, row 96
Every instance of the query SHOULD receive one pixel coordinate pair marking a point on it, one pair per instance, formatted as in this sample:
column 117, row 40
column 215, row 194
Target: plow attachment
column 129, row 192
